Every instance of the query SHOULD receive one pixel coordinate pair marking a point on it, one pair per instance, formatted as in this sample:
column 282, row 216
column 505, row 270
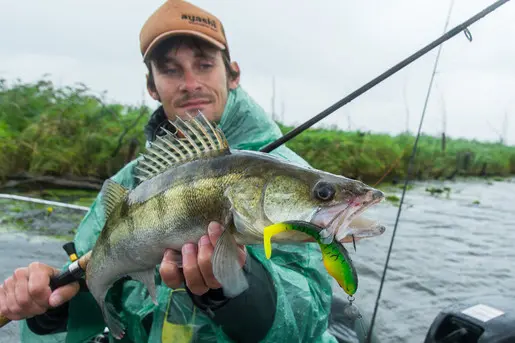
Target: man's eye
column 171, row 71
column 205, row 66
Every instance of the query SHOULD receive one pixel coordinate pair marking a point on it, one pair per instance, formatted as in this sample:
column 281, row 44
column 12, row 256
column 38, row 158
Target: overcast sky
column 319, row 52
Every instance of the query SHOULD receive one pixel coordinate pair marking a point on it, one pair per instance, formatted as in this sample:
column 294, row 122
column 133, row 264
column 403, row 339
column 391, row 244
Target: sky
column 316, row 51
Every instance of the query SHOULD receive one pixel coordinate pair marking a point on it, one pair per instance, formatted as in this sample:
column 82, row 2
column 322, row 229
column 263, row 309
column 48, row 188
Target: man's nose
column 190, row 82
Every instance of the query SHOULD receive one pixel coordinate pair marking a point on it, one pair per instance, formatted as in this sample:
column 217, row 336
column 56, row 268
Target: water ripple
column 446, row 250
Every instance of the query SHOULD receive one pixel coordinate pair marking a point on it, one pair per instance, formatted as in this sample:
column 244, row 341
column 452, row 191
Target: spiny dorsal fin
column 113, row 193
column 200, row 139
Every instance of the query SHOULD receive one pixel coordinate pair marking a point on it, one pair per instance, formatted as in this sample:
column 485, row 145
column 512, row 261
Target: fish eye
column 324, row 191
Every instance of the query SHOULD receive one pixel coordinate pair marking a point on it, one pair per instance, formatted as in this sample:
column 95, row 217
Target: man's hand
column 197, row 270
column 27, row 292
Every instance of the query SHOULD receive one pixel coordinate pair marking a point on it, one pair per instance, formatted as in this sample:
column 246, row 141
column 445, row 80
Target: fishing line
column 406, row 181
column 394, row 164
column 41, row 201
column 333, row 108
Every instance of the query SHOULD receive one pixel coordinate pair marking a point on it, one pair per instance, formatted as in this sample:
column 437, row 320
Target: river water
column 448, row 248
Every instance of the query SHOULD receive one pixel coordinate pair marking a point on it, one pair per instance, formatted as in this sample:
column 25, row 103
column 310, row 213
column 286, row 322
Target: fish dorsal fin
column 195, row 139
column 112, row 194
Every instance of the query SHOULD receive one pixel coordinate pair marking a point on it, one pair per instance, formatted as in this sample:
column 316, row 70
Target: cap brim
column 169, row 34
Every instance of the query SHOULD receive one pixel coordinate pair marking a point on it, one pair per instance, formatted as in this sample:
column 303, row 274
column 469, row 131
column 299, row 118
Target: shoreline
column 61, row 222
column 66, row 136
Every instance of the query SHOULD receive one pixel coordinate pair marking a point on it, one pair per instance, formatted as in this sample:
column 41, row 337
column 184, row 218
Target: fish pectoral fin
column 245, row 199
column 243, row 226
column 226, row 267
column 113, row 193
column 147, row 278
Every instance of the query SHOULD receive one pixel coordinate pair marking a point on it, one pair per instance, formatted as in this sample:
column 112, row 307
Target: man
column 189, row 69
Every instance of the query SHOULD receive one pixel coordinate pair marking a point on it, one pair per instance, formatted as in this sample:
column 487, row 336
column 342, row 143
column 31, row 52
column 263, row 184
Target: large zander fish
column 192, row 177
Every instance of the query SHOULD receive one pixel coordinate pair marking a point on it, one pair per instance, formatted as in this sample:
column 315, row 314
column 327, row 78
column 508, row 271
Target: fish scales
column 162, row 221
column 188, row 182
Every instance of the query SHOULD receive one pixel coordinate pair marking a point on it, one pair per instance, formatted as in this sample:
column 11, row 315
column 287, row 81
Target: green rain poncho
column 303, row 286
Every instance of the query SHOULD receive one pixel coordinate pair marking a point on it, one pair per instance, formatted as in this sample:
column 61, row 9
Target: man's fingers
column 215, row 230
column 22, row 296
column 38, row 283
column 13, row 308
column 197, row 269
column 205, row 254
column 169, row 270
column 27, row 292
column 191, row 270
column 21, row 289
column 63, row 294
column 3, row 299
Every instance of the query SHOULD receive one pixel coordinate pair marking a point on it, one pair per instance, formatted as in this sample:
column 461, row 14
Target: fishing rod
column 75, row 271
column 459, row 28
column 42, row 201
column 407, row 179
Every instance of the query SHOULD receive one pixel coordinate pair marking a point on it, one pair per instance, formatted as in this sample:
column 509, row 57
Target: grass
column 46, row 130
column 370, row 156
column 65, row 131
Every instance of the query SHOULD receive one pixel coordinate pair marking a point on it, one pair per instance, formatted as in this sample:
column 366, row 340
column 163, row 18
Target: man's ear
column 151, row 88
column 233, row 84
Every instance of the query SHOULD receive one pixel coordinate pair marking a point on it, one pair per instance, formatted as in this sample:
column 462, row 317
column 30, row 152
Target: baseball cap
column 179, row 17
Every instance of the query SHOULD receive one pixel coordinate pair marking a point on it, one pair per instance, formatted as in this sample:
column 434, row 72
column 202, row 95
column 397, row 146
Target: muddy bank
column 45, row 219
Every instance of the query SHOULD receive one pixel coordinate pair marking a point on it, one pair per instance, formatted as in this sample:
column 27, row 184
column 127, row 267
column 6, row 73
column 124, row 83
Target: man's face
column 190, row 80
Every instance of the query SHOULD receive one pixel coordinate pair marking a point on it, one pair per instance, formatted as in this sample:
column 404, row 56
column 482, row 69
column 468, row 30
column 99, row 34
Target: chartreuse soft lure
column 335, row 256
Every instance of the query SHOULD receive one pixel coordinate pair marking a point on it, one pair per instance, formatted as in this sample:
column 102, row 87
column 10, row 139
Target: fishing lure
column 336, row 259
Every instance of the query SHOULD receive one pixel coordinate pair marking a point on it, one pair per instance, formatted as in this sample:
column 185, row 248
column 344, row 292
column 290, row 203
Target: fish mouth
column 360, row 227
column 343, row 222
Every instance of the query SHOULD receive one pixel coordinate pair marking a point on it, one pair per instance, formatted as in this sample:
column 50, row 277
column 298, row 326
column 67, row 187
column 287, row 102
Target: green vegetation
column 64, row 131
column 46, row 130
column 393, row 198
column 438, row 191
column 370, row 156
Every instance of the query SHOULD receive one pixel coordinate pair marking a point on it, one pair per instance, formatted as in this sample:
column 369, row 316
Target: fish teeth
column 343, row 230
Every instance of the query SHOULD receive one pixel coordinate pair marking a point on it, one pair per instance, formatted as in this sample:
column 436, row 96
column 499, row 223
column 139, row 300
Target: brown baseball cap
column 179, row 17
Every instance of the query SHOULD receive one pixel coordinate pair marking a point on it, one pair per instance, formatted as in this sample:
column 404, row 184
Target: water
column 18, row 250
column 446, row 250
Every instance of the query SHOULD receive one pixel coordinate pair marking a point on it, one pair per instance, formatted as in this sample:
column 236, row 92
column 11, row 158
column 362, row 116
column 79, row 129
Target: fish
column 190, row 177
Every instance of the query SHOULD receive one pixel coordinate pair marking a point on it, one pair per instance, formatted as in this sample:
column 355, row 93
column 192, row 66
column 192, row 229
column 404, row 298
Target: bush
column 69, row 131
